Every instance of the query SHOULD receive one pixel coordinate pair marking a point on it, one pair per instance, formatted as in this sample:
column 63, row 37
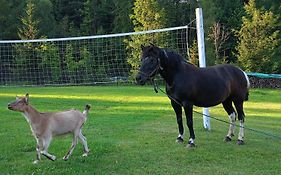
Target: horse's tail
column 247, row 96
column 248, row 86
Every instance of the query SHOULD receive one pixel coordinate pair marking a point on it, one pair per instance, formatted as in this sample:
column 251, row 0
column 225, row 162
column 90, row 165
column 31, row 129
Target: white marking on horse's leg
column 191, row 141
column 181, row 136
column 241, row 131
column 232, row 125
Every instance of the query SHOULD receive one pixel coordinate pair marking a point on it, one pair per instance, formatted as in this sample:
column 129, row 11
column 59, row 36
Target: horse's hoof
column 227, row 139
column 179, row 140
column 190, row 145
column 240, row 142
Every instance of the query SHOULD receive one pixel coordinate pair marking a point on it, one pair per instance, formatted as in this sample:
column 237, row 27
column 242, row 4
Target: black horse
column 188, row 85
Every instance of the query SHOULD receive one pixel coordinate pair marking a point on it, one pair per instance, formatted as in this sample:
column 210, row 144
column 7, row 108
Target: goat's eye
column 20, row 102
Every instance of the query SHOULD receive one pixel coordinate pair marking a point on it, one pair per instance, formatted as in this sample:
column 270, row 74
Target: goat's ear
column 152, row 45
column 17, row 97
column 26, row 98
column 142, row 47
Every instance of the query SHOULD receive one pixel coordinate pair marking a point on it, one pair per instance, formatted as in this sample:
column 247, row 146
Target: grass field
column 132, row 130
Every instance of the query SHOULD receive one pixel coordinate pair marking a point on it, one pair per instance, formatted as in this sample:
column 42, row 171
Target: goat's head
column 20, row 103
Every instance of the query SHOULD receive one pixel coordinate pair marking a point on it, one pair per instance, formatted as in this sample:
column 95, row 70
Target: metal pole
column 201, row 53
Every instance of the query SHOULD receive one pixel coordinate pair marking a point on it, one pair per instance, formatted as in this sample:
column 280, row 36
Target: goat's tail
column 86, row 110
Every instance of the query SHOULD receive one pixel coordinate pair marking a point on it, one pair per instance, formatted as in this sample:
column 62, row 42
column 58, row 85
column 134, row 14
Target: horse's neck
column 170, row 68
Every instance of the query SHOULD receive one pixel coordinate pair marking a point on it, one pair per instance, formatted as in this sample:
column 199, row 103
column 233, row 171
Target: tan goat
column 46, row 125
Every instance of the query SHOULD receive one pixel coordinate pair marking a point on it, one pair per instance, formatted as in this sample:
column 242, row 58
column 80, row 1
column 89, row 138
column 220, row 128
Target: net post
column 201, row 53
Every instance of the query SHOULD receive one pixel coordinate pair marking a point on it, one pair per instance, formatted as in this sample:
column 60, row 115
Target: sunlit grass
column 132, row 130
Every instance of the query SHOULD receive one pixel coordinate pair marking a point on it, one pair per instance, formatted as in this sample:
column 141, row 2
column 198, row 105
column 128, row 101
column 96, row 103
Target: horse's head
column 150, row 64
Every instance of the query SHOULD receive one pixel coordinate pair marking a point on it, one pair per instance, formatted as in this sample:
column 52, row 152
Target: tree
column 147, row 15
column 47, row 25
column 122, row 22
column 35, row 60
column 29, row 29
column 258, row 40
column 228, row 14
column 219, row 35
column 69, row 16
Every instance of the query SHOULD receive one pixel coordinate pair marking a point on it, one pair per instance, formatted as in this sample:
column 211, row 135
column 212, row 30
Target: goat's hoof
column 35, row 162
column 240, row 142
column 85, row 155
column 65, row 158
column 179, row 140
column 227, row 139
column 53, row 158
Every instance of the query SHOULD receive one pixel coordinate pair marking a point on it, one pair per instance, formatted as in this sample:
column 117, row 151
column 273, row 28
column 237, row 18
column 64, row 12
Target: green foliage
column 64, row 18
column 147, row 15
column 79, row 68
column 29, row 29
column 193, row 51
column 26, row 58
column 50, row 62
column 258, row 40
column 44, row 13
column 38, row 59
column 9, row 18
column 229, row 15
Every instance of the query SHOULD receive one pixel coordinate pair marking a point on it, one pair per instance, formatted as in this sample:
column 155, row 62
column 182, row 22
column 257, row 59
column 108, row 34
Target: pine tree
column 258, row 40
column 29, row 28
column 147, row 15
column 35, row 60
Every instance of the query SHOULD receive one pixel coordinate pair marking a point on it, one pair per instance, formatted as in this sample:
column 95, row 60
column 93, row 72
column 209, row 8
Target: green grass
column 132, row 130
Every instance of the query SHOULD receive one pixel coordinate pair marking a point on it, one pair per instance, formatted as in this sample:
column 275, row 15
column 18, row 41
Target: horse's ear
column 156, row 51
column 142, row 47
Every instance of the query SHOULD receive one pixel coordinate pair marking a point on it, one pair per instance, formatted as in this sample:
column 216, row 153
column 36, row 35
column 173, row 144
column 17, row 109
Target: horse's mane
column 173, row 57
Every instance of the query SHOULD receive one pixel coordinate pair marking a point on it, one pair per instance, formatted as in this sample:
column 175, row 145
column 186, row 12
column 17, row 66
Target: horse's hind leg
column 241, row 115
column 231, row 114
column 178, row 110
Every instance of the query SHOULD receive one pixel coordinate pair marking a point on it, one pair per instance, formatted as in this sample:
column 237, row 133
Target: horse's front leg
column 178, row 110
column 188, row 109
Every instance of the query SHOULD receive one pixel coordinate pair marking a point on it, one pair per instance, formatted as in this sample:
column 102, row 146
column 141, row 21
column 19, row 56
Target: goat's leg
column 74, row 142
column 38, row 150
column 84, row 142
column 46, row 143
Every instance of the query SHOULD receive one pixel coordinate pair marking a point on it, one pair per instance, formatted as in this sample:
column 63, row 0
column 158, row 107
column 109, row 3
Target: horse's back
column 224, row 81
column 236, row 79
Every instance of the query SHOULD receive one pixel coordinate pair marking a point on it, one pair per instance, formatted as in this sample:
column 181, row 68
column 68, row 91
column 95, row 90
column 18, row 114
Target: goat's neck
column 32, row 115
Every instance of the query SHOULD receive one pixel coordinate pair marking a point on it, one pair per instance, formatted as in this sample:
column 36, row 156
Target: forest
column 241, row 32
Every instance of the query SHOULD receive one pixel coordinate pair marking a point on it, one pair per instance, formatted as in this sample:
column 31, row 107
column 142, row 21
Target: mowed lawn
column 132, row 130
